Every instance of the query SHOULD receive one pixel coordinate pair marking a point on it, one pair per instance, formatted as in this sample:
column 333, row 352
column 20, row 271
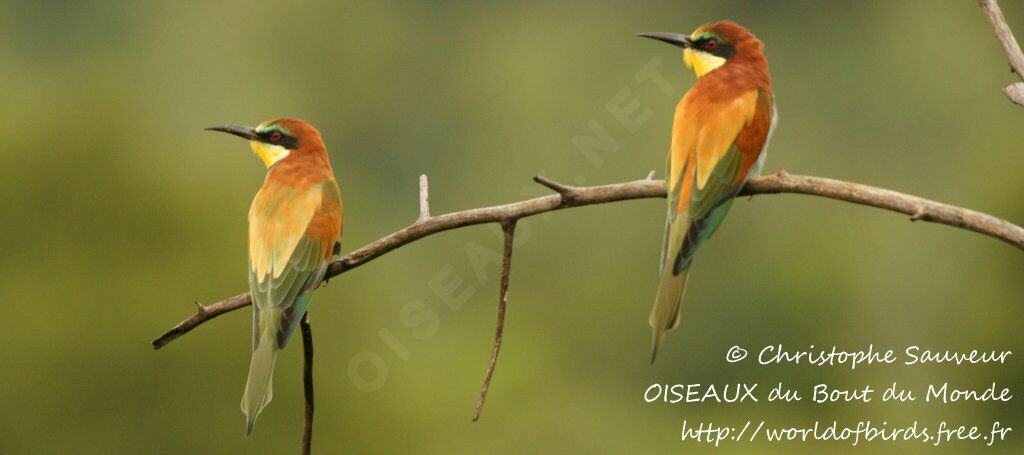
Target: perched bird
column 719, row 136
column 294, row 224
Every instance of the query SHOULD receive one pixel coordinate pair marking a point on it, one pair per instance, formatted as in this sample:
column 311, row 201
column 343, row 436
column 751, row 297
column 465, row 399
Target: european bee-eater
column 719, row 136
column 294, row 223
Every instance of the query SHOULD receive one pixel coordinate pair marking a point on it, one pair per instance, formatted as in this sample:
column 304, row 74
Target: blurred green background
column 120, row 210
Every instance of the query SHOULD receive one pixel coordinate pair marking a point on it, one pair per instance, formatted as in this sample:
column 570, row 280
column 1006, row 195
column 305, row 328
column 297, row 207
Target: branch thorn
column 918, row 214
column 567, row 193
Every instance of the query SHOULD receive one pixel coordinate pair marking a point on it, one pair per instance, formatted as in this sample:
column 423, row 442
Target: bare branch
column 1010, row 47
column 424, row 202
column 932, row 211
column 639, row 189
column 307, row 382
column 201, row 316
column 509, row 228
column 567, row 192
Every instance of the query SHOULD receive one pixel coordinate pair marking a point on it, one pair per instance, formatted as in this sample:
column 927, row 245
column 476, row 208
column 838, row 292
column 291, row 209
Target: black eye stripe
column 283, row 140
column 720, row 49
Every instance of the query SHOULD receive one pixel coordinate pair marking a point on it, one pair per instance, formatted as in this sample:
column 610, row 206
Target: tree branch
column 1010, row 47
column 919, row 208
column 307, row 382
column 509, row 229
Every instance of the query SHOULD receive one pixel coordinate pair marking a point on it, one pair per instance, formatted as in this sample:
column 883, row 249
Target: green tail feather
column 689, row 235
column 665, row 313
column 259, row 389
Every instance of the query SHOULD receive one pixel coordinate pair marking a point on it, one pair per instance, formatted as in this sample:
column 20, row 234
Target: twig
column 307, row 382
column 567, row 193
column 639, row 189
column 203, row 314
column 1010, row 47
column 509, row 228
column 424, row 202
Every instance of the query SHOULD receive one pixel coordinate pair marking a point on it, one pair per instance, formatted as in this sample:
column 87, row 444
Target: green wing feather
column 708, row 206
column 280, row 295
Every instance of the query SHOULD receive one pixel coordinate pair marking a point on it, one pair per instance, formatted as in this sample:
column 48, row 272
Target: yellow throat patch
column 270, row 154
column 701, row 62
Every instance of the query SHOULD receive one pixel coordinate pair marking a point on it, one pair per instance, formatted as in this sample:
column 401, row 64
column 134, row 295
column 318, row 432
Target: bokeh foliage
column 120, row 210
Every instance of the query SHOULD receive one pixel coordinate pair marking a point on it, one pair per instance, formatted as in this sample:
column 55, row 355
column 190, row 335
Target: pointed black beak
column 674, row 39
column 246, row 132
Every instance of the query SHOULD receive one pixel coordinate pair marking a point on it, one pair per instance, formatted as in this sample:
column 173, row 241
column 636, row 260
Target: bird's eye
column 711, row 45
column 275, row 136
